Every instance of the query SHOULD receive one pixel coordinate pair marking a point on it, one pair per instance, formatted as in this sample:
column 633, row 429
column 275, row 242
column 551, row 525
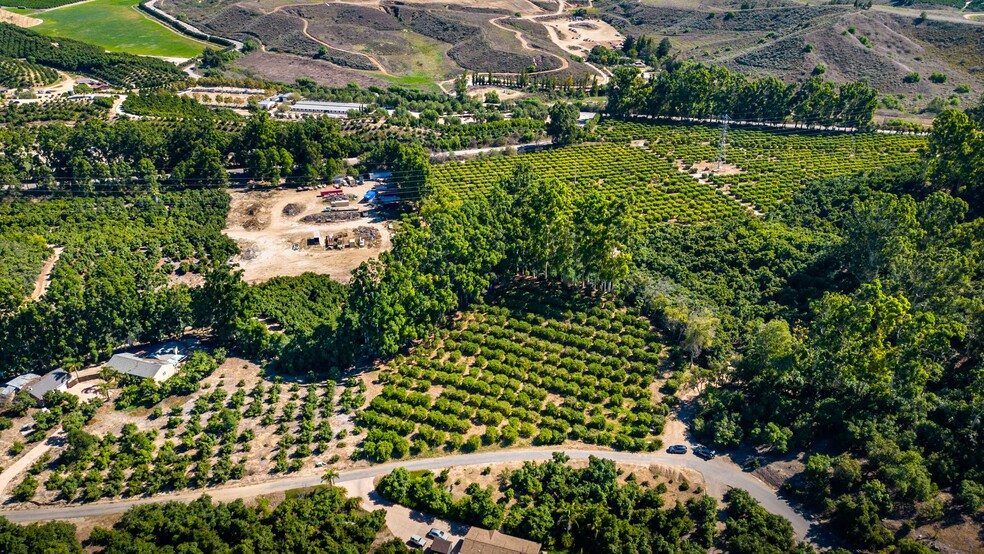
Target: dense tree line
column 694, row 90
column 852, row 319
column 110, row 286
column 592, row 510
column 450, row 253
column 956, row 155
column 53, row 536
column 643, row 48
column 319, row 522
column 146, row 155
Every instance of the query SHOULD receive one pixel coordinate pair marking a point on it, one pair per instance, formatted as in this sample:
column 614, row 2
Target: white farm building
column 159, row 365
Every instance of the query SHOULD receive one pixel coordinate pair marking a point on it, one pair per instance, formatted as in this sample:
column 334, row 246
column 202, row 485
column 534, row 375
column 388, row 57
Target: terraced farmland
column 535, row 365
column 667, row 176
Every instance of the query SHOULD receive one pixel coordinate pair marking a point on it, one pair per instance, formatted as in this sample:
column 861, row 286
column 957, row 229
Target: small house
column 158, row 365
column 483, row 541
column 441, row 546
column 10, row 389
column 56, row 380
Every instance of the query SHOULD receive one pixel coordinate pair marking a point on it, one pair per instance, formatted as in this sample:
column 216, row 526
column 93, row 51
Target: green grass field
column 118, row 26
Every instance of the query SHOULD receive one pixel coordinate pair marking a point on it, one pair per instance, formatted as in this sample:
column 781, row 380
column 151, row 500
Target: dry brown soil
column 18, row 19
column 267, row 237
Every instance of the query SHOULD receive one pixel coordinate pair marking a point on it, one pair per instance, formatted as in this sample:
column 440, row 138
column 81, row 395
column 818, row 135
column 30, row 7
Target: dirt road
column 43, row 281
column 720, row 475
column 25, row 461
column 304, row 30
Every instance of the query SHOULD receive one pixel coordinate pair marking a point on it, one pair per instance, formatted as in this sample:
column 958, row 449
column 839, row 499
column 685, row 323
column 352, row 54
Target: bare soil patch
column 18, row 19
column 579, row 35
column 705, row 169
column 273, row 243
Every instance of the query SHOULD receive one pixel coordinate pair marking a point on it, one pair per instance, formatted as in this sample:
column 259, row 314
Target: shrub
column 938, row 78
column 26, row 489
column 912, row 77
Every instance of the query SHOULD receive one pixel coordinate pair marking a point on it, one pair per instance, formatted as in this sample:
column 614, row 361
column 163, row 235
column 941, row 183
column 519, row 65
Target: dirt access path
column 43, row 281
column 562, row 44
column 564, row 64
column 25, row 461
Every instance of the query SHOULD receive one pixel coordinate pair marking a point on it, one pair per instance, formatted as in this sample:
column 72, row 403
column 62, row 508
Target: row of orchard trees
column 453, row 250
column 693, row 90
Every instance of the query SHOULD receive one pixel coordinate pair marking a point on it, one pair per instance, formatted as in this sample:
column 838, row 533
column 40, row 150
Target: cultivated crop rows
column 772, row 164
column 533, row 366
column 659, row 191
column 219, row 438
column 661, row 177
column 22, row 74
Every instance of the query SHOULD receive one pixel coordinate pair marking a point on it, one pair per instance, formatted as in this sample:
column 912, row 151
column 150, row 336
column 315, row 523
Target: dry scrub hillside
column 436, row 41
column 881, row 45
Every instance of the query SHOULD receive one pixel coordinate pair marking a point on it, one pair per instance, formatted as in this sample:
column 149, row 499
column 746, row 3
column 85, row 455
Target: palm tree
column 107, row 375
column 72, row 365
column 329, row 476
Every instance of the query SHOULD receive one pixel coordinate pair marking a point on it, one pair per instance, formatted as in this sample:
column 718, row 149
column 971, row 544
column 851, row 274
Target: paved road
column 187, row 27
column 719, row 474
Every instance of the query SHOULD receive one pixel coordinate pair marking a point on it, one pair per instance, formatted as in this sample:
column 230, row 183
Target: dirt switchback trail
column 564, row 64
column 304, row 30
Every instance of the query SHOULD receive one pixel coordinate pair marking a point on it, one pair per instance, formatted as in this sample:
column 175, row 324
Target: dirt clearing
column 273, row 239
column 581, row 35
column 18, row 19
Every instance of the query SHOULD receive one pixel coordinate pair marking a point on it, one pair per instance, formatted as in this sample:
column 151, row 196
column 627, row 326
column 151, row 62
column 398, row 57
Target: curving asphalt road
column 719, row 474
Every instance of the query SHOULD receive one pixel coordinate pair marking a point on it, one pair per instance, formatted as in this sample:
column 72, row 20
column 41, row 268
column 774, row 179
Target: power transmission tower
column 722, row 156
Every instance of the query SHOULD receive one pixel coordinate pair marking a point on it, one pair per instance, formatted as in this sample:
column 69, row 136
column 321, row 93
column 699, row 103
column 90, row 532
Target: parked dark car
column 677, row 449
column 704, row 452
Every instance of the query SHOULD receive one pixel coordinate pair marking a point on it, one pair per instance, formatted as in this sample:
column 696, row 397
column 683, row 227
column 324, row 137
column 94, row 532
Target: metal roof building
column 132, row 364
column 17, row 384
column 333, row 109
column 55, row 380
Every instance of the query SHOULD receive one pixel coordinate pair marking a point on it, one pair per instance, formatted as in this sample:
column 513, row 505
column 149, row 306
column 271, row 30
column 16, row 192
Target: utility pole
column 722, row 156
